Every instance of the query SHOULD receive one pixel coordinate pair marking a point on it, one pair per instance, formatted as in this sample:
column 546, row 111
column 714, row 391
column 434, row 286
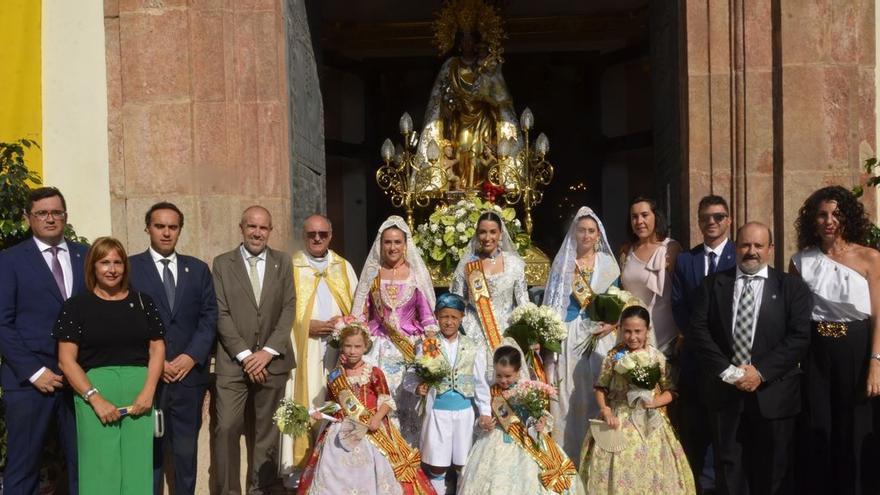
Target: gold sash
column 306, row 280
column 405, row 460
column 482, row 299
column 397, row 337
column 580, row 287
column 556, row 469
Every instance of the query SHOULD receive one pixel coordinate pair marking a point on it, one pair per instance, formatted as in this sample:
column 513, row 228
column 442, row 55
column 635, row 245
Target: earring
column 596, row 246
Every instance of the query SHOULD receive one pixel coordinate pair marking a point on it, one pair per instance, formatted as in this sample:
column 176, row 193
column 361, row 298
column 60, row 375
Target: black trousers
column 693, row 429
column 753, row 455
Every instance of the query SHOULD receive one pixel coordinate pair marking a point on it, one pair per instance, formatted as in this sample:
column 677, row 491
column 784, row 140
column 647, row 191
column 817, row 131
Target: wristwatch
column 876, row 356
column 89, row 393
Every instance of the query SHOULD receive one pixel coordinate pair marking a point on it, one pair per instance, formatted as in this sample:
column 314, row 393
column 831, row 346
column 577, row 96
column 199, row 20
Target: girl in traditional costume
column 395, row 296
column 583, row 268
column 361, row 452
column 451, row 403
column 515, row 454
column 632, row 448
column 491, row 277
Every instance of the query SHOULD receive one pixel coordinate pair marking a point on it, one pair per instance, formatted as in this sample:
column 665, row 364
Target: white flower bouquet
column 639, row 368
column 294, row 420
column 531, row 324
column 445, row 236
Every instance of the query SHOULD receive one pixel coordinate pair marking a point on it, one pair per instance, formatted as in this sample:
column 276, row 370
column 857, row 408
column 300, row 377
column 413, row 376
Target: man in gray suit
column 255, row 298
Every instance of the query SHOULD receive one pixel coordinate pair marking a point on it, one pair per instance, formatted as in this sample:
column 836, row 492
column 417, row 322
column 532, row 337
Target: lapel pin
column 130, row 305
column 276, row 267
column 773, row 296
column 186, row 269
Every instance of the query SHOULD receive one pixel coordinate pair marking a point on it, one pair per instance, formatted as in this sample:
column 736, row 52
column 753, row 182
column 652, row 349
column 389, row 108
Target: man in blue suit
column 36, row 277
column 714, row 254
column 184, row 293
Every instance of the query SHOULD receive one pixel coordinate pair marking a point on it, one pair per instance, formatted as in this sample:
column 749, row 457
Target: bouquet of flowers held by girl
column 430, row 366
column 293, row 419
column 641, row 370
column 533, row 398
column 606, row 308
column 530, row 324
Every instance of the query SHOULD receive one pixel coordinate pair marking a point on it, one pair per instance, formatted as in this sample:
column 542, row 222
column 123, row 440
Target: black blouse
column 110, row 333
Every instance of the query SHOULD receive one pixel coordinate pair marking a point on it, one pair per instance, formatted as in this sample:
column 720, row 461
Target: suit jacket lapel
column 237, row 265
column 182, row 281
column 728, row 257
column 154, row 281
column 38, row 263
column 699, row 266
column 724, row 297
column 769, row 297
column 270, row 275
column 76, row 265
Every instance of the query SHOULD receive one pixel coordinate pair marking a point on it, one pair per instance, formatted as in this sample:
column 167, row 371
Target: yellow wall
column 75, row 152
column 20, row 115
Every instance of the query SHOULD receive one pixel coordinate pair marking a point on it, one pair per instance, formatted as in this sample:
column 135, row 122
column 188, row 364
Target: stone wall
column 778, row 100
column 198, row 115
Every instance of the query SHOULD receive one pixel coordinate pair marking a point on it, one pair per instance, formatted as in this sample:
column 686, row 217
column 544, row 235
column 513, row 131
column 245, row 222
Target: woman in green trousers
column 111, row 350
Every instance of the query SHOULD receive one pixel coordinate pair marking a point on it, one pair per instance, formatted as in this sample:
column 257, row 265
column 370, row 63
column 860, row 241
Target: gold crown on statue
column 468, row 16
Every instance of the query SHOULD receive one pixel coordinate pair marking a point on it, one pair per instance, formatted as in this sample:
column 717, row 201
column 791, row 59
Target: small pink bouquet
column 531, row 395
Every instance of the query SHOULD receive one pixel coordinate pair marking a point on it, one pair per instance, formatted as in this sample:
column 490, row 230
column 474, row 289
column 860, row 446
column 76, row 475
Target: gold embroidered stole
column 306, row 280
column 398, row 338
column 580, row 287
column 405, row 460
column 482, row 299
column 556, row 469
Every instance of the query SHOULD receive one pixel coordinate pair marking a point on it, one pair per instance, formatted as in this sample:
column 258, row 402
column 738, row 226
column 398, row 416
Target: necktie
column 713, row 264
column 57, row 272
column 745, row 317
column 168, row 282
column 254, row 276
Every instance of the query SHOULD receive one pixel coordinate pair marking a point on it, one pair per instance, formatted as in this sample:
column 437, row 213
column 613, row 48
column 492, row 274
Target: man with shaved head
column 750, row 328
column 256, row 303
column 325, row 284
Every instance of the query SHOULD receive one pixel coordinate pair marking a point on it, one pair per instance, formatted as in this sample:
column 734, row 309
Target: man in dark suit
column 714, row 254
column 750, row 329
column 256, row 301
column 36, row 277
column 183, row 290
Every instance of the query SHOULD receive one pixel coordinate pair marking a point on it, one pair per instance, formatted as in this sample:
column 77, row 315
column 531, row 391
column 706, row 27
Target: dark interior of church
column 601, row 78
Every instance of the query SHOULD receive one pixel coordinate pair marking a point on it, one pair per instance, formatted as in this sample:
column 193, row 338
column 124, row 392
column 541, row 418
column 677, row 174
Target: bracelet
column 89, row 393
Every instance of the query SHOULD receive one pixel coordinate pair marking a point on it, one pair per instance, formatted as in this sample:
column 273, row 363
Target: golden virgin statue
column 469, row 105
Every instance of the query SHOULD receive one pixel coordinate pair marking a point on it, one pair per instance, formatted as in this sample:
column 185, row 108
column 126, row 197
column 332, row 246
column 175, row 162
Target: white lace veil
column 523, row 370
column 508, row 248
column 605, row 271
column 417, row 269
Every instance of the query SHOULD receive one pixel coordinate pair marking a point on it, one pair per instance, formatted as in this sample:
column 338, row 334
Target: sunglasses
column 318, row 234
column 717, row 217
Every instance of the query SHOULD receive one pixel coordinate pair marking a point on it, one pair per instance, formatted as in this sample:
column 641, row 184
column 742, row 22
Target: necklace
column 493, row 258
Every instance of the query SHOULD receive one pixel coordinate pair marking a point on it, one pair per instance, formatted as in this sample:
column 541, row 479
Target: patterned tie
column 57, row 272
column 713, row 265
column 254, row 276
column 745, row 317
column 168, row 282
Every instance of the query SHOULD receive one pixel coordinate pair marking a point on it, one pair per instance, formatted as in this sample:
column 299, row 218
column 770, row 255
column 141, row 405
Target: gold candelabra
column 406, row 181
column 523, row 174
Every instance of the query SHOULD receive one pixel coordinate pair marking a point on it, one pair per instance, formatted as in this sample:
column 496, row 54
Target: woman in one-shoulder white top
column 842, row 367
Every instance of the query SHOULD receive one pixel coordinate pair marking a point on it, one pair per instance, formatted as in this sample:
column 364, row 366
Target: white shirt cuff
column 732, row 374
column 36, row 376
column 271, row 351
column 241, row 356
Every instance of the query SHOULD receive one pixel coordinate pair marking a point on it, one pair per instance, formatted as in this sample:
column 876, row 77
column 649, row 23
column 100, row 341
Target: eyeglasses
column 44, row 214
column 322, row 234
column 717, row 217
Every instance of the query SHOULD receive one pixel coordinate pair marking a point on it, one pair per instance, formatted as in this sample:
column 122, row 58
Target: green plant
column 870, row 165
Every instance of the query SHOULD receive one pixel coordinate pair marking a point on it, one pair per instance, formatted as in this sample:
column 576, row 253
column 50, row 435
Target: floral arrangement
column 293, row 419
column 341, row 323
column 430, row 366
column 531, row 324
column 445, row 236
column 606, row 308
column 532, row 396
column 640, row 368
column 491, row 191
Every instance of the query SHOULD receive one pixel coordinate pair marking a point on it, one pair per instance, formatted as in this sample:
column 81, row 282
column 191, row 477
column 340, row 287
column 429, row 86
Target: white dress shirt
column 261, row 272
column 758, row 292
column 160, row 267
column 66, row 269
column 717, row 250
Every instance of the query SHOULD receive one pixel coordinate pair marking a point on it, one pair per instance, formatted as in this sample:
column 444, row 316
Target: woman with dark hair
column 491, row 278
column 111, row 350
column 647, row 262
column 843, row 364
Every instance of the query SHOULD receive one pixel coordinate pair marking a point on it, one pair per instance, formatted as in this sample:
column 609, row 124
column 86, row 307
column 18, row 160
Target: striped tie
column 745, row 317
column 254, row 276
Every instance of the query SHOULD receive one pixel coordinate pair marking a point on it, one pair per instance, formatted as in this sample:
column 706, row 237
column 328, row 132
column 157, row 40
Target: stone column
column 198, row 115
column 779, row 101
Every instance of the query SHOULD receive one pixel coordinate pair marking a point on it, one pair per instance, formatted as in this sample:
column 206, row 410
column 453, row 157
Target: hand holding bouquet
column 534, row 397
column 640, row 368
column 430, row 366
column 531, row 324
